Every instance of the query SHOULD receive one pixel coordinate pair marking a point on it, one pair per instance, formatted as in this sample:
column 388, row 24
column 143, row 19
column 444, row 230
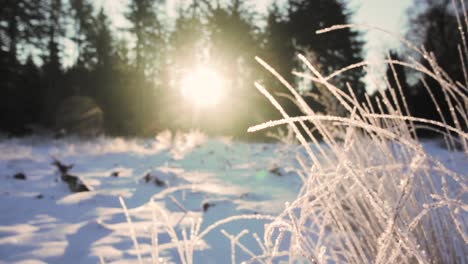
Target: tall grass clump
column 374, row 195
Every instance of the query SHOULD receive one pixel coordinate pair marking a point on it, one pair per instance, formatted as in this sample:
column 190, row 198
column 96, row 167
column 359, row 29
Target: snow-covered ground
column 201, row 180
column 192, row 180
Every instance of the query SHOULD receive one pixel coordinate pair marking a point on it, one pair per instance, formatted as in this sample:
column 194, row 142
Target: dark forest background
column 133, row 89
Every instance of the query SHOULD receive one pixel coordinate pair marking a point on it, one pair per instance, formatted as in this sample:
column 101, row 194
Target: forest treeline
column 135, row 80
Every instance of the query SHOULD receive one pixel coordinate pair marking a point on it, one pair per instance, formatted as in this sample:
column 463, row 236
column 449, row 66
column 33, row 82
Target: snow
column 200, row 181
column 41, row 221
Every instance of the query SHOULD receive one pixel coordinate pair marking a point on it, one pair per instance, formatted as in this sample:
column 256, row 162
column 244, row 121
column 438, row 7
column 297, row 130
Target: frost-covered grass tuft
column 374, row 195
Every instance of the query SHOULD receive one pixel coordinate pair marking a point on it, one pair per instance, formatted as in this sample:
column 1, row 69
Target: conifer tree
column 148, row 31
column 55, row 30
column 292, row 30
column 331, row 51
column 103, row 42
column 81, row 11
column 434, row 26
column 279, row 51
column 234, row 42
column 21, row 22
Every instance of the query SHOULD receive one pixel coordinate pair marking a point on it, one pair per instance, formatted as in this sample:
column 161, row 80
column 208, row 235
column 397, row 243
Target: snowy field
column 42, row 220
column 194, row 181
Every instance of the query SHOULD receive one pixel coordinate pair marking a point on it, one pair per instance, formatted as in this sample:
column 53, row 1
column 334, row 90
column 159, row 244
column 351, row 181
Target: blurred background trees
column 440, row 36
column 433, row 26
column 135, row 80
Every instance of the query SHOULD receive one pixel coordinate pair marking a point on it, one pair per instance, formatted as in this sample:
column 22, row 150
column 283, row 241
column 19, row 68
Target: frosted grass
column 382, row 198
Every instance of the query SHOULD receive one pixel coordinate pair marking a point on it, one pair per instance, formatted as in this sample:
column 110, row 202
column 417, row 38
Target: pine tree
column 103, row 42
column 434, row 26
column 149, row 37
column 21, row 22
column 31, row 92
column 52, row 66
column 148, row 32
column 55, row 30
column 188, row 37
column 105, row 74
column 81, row 11
column 234, row 42
column 279, row 51
column 328, row 52
column 278, row 47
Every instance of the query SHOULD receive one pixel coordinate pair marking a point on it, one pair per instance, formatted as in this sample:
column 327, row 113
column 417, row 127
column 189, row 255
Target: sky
column 387, row 14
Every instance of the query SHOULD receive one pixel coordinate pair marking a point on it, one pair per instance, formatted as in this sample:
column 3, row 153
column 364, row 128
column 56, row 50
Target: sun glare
column 204, row 87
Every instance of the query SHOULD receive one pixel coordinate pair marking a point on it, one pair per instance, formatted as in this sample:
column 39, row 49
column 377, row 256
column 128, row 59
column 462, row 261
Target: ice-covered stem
column 234, row 241
column 132, row 230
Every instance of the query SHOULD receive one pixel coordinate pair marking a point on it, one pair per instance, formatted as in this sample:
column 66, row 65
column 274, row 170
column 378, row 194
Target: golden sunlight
column 204, row 87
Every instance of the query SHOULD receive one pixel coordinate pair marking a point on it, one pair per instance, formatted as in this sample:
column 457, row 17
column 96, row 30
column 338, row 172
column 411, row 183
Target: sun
column 204, row 87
